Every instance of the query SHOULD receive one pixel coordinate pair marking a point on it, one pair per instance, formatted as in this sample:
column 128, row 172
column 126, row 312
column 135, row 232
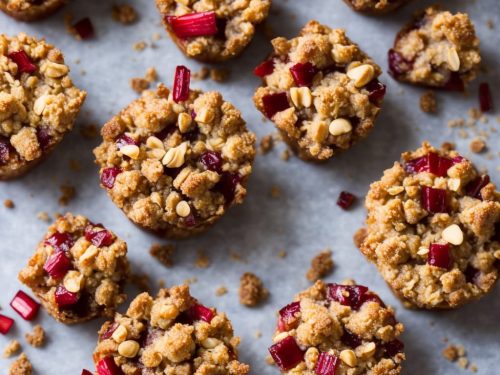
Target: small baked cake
column 433, row 229
column 320, row 90
column 170, row 334
column 375, row 6
column 78, row 271
column 437, row 49
column 212, row 31
column 30, row 10
column 38, row 102
column 175, row 164
column 338, row 329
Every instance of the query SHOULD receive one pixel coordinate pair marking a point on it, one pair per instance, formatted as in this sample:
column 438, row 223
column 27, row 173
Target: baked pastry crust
column 37, row 107
column 30, row 10
column 97, row 267
column 170, row 334
column 339, row 104
column 191, row 161
column 401, row 230
column 375, row 6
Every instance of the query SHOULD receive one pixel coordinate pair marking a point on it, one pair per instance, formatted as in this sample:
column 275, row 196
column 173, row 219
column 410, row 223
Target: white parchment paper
column 304, row 220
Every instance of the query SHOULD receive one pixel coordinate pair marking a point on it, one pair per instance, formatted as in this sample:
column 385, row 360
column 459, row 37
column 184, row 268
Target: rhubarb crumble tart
column 338, row 329
column 320, row 90
column 433, row 229
column 212, row 31
column 38, row 102
column 78, row 271
column 170, row 334
column 375, row 6
column 175, row 161
column 30, row 10
column 437, row 49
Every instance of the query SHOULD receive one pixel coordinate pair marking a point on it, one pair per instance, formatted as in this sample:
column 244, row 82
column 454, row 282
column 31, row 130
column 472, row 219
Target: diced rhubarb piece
column 182, row 79
column 347, row 295
column 84, row 28
column 5, row 149
column 345, row 200
column 200, row 312
column 86, row 372
column 350, row 339
column 432, row 163
column 60, row 241
column 190, row 220
column 109, row 332
column 108, row 176
column 57, row 265
column 23, row 62
column 227, row 185
column 454, row 83
column 25, row 306
column 303, row 74
column 99, row 237
column 6, row 324
column 107, row 366
column 416, row 165
column 398, row 65
column 288, row 316
column 457, row 159
column 327, row 364
column 439, row 256
column 274, row 103
column 286, row 353
column 393, row 347
column 124, row 140
column 264, row 68
column 212, row 161
column 434, row 200
column 193, row 24
column 64, row 297
column 376, row 91
column 473, row 188
column 44, row 138
column 485, row 99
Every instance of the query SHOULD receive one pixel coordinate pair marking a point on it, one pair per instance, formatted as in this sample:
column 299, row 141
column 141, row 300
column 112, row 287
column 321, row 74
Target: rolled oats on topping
column 337, row 329
column 435, row 241
column 169, row 334
column 78, row 271
column 320, row 90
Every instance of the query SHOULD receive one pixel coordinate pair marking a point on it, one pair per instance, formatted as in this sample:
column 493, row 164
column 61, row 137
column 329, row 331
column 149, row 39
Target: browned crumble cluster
column 37, row 337
column 163, row 253
column 21, row 366
column 428, row 103
column 321, row 266
column 375, row 6
column 252, row 290
column 477, row 145
column 124, row 13
column 8, row 203
column 29, row 10
column 12, row 348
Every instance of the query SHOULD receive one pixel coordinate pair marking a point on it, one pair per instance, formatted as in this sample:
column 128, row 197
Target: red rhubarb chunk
column 212, row 161
column 25, row 306
column 288, row 316
column 227, row 185
column 44, row 138
column 327, row 364
column 182, row 79
column 454, row 83
column 439, row 256
column 350, row 339
column 432, row 163
column 348, row 295
column 190, row 220
column 99, row 237
column 346, row 200
column 303, row 74
column 64, row 297
column 264, row 68
column 109, row 332
column 286, row 353
column 200, row 312
column 398, row 65
column 6, row 324
column 457, row 159
column 23, row 62
column 124, row 140
column 57, row 265
column 4, row 150
column 485, row 99
column 376, row 91
column 193, row 24
column 60, row 241
column 274, row 103
column 393, row 347
column 86, row 372
column 107, row 366
column 473, row 188
column 84, row 28
column 108, row 176
column 434, row 200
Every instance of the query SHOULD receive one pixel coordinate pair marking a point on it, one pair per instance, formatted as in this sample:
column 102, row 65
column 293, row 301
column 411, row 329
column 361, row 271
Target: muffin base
column 35, row 12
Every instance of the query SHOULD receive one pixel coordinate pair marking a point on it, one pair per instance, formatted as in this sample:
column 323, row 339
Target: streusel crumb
column 252, row 290
column 124, row 13
column 428, row 103
column 37, row 337
column 12, row 348
column 163, row 253
column 321, row 266
column 21, row 366
column 8, row 203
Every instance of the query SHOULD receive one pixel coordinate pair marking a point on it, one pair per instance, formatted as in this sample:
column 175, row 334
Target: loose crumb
column 359, row 237
column 450, row 353
column 191, row 280
column 37, row 337
column 12, row 348
column 477, row 145
column 220, row 291
column 151, row 74
column 321, row 265
column 43, row 216
column 266, row 144
column 275, row 191
column 282, row 254
column 473, row 367
column 428, row 103
column 139, row 84
column 68, row 192
column 163, row 253
column 202, row 260
column 258, row 334
column 139, row 46
column 124, row 14
column 8, row 203
column 21, row 366
column 252, row 291
column 89, row 131
column 219, row 74
column 201, row 75
column 448, row 146
column 285, row 155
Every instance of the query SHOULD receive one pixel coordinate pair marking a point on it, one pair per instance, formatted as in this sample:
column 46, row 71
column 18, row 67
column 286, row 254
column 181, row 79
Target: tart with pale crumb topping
column 375, row 6
column 433, row 229
column 78, row 271
column 169, row 334
column 339, row 329
column 320, row 90
column 30, row 10
column 38, row 102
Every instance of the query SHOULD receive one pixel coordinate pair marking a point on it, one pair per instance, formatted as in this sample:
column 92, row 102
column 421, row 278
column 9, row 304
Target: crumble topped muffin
column 38, row 102
column 340, row 329
column 437, row 49
column 212, row 31
column 433, row 229
column 375, row 6
column 170, row 334
column 175, row 167
column 30, row 10
column 78, row 270
column 320, row 90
